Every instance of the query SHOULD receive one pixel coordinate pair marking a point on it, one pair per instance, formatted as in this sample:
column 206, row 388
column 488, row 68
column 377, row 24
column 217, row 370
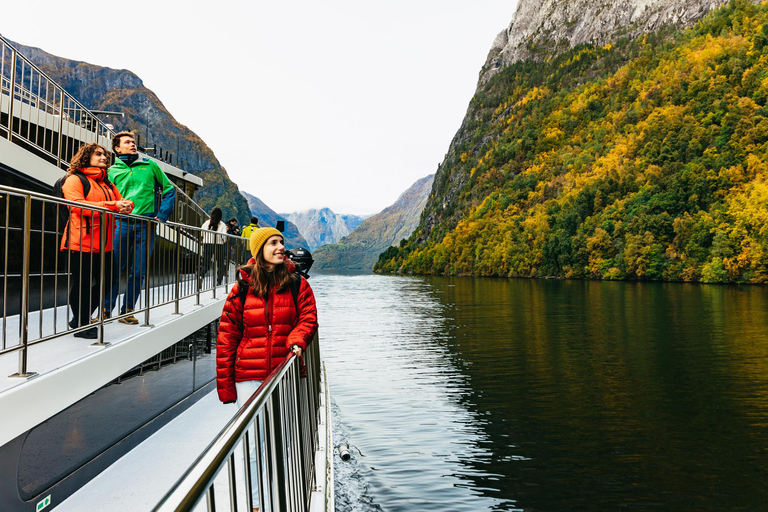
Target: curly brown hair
column 82, row 158
column 262, row 279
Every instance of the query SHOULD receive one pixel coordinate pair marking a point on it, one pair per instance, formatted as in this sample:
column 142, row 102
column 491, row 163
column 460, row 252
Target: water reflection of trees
column 616, row 392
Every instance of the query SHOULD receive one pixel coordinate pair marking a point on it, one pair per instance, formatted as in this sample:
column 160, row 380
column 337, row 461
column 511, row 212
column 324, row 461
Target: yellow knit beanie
column 260, row 236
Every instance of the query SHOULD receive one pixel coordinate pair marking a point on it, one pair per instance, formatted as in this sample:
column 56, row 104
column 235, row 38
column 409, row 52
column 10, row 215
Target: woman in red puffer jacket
column 255, row 337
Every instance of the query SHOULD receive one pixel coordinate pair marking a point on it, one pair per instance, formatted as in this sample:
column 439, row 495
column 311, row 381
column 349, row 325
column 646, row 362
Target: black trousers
column 207, row 260
column 85, row 276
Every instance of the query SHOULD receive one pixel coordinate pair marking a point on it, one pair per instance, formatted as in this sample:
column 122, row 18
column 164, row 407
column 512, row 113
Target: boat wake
column 351, row 490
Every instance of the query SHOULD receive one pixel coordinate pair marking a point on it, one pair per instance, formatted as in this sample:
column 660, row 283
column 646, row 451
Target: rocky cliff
column 323, row 226
column 268, row 218
column 102, row 88
column 361, row 248
column 543, row 28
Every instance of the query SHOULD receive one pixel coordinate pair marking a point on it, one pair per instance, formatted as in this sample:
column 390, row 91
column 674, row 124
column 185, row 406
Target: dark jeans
column 85, row 270
column 131, row 237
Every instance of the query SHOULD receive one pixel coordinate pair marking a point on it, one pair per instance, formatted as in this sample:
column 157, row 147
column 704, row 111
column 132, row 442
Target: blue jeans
column 131, row 237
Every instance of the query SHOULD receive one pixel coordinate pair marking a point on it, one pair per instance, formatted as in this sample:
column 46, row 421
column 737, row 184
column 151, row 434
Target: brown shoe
column 107, row 314
column 130, row 319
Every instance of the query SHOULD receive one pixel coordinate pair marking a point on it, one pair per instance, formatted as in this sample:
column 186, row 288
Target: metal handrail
column 52, row 104
column 285, row 408
column 51, row 111
column 169, row 277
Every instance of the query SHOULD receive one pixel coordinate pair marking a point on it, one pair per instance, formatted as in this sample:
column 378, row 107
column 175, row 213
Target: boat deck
column 70, row 368
column 141, row 478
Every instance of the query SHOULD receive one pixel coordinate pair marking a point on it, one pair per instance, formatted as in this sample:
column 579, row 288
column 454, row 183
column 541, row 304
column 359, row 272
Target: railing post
column 61, row 128
column 232, row 485
column 103, row 261
column 280, row 476
column 215, row 265
column 12, row 91
column 249, row 504
column 147, row 292
column 178, row 271
column 199, row 278
column 24, row 311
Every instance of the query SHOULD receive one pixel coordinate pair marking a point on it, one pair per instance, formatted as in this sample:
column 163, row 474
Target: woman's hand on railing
column 124, row 206
column 296, row 350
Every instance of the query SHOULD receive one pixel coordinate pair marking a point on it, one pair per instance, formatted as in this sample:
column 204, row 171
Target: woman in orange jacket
column 82, row 234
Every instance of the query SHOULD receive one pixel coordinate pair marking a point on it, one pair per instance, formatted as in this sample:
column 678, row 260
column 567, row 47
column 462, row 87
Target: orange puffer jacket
column 254, row 340
column 83, row 230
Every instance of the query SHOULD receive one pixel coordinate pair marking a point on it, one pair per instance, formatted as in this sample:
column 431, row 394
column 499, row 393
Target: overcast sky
column 307, row 104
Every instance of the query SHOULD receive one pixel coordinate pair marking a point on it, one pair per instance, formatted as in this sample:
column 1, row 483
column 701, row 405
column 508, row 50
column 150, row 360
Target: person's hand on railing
column 124, row 206
column 296, row 350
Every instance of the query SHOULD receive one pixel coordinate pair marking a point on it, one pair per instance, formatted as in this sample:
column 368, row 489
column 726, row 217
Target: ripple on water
column 397, row 395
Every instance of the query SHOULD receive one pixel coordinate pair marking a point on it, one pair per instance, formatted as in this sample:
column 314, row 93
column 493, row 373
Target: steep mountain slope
column 542, row 28
column 361, row 248
column 323, row 226
column 101, row 88
column 638, row 159
column 268, row 218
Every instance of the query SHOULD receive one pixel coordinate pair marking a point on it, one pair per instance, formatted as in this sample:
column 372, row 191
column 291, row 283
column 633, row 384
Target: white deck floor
column 138, row 480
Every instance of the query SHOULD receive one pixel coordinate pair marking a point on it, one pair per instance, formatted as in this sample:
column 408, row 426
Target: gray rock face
column 540, row 28
column 323, row 226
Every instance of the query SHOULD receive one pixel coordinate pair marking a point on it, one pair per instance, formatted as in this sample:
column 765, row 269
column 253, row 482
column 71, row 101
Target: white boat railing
column 272, row 440
column 35, row 274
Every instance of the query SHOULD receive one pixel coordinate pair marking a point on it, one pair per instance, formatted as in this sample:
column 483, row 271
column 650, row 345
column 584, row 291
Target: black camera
column 302, row 258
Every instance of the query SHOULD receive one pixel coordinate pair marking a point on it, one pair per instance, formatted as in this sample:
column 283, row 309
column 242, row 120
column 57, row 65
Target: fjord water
column 471, row 394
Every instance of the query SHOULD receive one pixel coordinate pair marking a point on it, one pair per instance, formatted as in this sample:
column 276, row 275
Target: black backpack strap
column 295, row 287
column 84, row 182
column 242, row 292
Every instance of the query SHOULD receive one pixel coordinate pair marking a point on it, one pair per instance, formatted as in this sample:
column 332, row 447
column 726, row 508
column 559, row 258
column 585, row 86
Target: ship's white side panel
column 40, row 397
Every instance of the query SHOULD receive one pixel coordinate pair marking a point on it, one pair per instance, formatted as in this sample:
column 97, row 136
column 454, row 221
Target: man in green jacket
column 138, row 180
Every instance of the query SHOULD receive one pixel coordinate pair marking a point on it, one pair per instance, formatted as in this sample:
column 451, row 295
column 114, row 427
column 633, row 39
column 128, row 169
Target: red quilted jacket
column 252, row 342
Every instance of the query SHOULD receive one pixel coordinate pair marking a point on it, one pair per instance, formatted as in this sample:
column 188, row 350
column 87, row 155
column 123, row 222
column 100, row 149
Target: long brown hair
column 216, row 214
column 262, row 279
column 82, row 158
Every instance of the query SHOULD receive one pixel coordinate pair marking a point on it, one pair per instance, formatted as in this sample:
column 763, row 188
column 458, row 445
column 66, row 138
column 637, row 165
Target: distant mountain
column 268, row 218
column 361, row 249
column 102, row 88
column 352, row 221
column 323, row 226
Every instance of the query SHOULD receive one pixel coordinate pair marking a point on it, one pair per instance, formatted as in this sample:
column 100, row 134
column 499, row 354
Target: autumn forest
column 642, row 160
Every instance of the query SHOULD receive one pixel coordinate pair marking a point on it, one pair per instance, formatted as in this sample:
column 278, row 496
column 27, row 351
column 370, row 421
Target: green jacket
column 137, row 183
column 248, row 230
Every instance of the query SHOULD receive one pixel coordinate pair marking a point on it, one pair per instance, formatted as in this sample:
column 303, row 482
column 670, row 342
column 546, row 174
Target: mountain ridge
column 360, row 249
column 268, row 218
column 104, row 88
column 539, row 29
column 322, row 226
